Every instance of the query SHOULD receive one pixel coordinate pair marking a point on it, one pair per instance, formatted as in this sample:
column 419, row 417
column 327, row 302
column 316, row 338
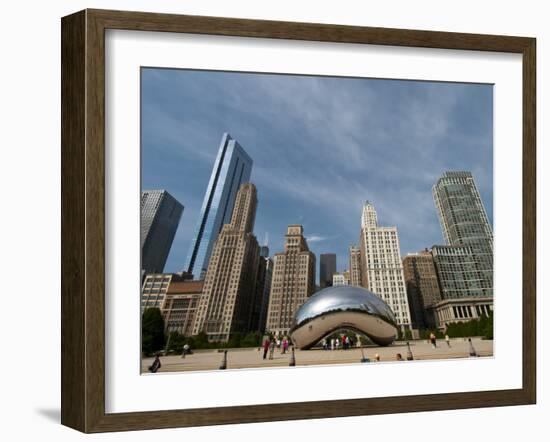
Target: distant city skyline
column 321, row 146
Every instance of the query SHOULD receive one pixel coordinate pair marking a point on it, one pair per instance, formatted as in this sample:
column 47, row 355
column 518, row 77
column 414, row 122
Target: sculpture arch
column 348, row 307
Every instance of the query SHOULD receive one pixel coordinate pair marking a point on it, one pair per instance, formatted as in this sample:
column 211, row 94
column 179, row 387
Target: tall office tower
column 464, row 223
column 292, row 283
column 355, row 277
column 263, row 285
column 230, row 283
column 422, row 287
column 327, row 268
column 231, row 169
column 264, row 251
column 459, row 272
column 160, row 216
column 381, row 266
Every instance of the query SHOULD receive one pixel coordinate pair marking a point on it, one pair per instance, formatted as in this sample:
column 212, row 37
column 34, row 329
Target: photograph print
column 300, row 220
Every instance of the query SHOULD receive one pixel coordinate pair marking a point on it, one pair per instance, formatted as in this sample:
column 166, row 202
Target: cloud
column 321, row 146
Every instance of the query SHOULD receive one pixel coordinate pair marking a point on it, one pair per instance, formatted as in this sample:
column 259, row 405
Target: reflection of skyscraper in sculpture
column 355, row 277
column 231, row 169
column 327, row 268
column 381, row 266
column 467, row 230
column 160, row 216
column 293, row 281
column 230, row 284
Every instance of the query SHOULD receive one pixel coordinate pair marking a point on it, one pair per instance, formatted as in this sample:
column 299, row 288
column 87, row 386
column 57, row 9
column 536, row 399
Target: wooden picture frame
column 83, row 220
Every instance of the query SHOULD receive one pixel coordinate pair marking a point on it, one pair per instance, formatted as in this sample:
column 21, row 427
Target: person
column 332, row 343
column 448, row 341
column 398, row 357
column 344, row 342
column 377, row 357
column 325, row 346
column 350, row 340
column 336, row 343
column 266, row 346
column 185, row 351
column 156, row 364
column 271, row 349
column 278, row 343
column 285, row 345
column 432, row 340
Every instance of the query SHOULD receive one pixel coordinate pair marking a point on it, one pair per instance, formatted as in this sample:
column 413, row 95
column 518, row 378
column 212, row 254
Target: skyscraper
column 225, row 306
column 464, row 223
column 381, row 266
column 327, row 268
column 422, row 287
column 160, row 216
column 231, row 169
column 355, row 277
column 263, row 286
column 293, row 281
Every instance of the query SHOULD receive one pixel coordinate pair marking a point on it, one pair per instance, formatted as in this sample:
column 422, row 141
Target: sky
column 321, row 146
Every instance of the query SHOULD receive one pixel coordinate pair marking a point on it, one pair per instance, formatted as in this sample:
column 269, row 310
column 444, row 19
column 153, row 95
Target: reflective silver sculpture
column 343, row 307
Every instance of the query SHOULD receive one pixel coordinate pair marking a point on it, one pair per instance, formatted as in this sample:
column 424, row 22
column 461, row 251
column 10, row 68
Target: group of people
column 433, row 340
column 269, row 345
column 346, row 343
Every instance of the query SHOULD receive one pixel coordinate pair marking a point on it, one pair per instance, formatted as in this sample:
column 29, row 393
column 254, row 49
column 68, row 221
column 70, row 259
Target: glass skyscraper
column 160, row 216
column 232, row 168
column 466, row 267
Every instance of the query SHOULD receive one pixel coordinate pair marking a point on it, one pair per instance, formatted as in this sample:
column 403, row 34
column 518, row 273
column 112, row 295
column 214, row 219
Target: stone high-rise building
column 327, row 268
column 422, row 287
column 339, row 279
column 230, row 284
column 355, row 277
column 465, row 225
column 381, row 265
column 292, row 283
column 231, row 169
column 160, row 216
column 180, row 306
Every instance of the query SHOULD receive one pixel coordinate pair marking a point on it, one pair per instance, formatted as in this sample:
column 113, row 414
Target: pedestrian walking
column 332, row 344
column 285, row 345
column 271, row 349
column 266, row 346
column 156, row 365
column 433, row 340
column 448, row 341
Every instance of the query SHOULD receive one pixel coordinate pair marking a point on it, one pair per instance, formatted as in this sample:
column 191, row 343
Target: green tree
column 152, row 331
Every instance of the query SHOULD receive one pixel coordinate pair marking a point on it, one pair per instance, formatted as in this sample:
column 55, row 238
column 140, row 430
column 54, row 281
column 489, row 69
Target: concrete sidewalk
column 252, row 358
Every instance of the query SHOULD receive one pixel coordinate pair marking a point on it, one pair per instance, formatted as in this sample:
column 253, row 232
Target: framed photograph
column 269, row 220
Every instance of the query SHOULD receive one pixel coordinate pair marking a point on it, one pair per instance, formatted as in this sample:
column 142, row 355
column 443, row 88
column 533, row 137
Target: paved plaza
column 252, row 357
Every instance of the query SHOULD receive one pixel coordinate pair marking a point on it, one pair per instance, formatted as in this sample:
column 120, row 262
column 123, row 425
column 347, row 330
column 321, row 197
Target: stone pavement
column 252, row 357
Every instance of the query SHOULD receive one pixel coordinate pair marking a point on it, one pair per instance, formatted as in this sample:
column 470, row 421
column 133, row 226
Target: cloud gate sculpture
column 343, row 307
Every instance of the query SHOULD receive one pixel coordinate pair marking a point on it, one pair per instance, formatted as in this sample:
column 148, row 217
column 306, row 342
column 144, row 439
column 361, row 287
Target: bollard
column 473, row 352
column 409, row 352
column 223, row 365
column 292, row 359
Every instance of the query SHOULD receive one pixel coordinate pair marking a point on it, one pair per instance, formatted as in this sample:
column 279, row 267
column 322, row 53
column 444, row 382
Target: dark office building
column 160, row 216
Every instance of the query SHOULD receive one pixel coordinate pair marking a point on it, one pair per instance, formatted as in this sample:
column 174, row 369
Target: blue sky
column 321, row 146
